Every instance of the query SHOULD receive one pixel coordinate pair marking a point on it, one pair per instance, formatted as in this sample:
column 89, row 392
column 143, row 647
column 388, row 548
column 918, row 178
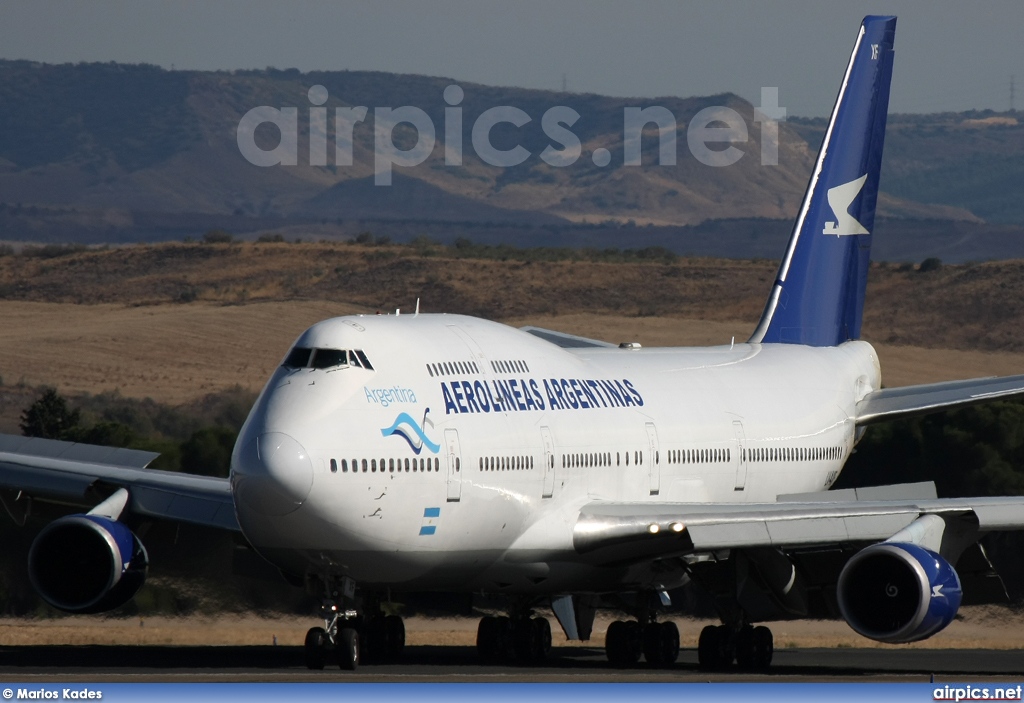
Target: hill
column 139, row 138
column 128, row 153
column 973, row 161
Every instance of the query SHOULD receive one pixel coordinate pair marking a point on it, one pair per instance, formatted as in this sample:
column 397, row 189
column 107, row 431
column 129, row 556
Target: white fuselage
column 517, row 435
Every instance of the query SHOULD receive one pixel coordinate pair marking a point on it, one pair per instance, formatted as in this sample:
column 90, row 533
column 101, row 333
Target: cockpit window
column 304, row 357
column 328, row 358
column 362, row 358
column 298, row 358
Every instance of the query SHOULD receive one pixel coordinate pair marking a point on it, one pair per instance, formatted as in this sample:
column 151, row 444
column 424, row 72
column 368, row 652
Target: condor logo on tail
column 840, row 199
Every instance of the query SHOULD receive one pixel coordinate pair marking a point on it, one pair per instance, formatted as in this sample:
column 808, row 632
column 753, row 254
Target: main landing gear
column 349, row 637
column 750, row 647
column 525, row 638
column 627, row 640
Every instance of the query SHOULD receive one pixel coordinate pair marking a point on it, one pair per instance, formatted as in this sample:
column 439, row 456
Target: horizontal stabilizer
column 907, row 401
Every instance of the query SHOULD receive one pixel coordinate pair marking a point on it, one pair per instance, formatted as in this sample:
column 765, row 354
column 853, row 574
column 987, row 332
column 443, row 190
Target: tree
column 208, row 451
column 49, row 417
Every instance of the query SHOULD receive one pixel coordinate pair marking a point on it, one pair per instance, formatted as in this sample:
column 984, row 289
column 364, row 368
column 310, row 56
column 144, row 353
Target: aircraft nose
column 273, row 474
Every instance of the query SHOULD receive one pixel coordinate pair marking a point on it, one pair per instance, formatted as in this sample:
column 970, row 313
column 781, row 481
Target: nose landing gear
column 339, row 636
column 349, row 636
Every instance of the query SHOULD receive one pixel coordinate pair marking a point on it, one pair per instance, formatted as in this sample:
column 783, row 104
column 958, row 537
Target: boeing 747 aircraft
column 443, row 453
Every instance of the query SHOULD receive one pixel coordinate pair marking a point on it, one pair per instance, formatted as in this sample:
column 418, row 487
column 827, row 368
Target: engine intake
column 897, row 593
column 87, row 564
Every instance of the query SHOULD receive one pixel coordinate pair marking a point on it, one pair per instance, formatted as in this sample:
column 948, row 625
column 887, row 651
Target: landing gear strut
column 750, row 647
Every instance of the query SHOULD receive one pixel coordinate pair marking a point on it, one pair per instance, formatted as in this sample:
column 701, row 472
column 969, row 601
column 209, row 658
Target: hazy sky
column 950, row 55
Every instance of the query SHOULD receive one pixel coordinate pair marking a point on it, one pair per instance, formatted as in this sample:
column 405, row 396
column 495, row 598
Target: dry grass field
column 975, row 628
column 970, row 307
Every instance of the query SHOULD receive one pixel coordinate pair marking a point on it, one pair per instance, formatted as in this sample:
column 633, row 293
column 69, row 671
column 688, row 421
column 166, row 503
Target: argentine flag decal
column 430, row 518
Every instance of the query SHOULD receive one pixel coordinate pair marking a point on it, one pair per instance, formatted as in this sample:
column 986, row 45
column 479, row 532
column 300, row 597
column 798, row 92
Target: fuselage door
column 549, row 463
column 451, row 444
column 654, row 465
column 738, row 458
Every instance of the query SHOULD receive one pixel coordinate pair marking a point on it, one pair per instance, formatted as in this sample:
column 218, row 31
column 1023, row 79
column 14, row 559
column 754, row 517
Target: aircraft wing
column 622, row 532
column 83, row 474
column 906, row 401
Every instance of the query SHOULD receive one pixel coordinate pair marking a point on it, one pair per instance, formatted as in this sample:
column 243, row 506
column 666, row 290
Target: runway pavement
column 72, row 664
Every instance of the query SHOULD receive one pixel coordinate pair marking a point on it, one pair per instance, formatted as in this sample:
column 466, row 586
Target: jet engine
column 897, row 593
column 87, row 564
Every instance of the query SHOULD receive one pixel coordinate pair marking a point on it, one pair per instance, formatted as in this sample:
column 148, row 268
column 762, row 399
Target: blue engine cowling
column 897, row 593
column 87, row 564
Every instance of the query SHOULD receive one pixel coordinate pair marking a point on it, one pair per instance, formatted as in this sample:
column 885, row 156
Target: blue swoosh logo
column 403, row 432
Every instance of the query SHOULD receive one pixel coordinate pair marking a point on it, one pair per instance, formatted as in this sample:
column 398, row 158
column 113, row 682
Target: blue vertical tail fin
column 818, row 296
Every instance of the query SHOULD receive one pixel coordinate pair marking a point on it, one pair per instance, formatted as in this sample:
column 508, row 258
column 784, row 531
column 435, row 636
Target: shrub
column 218, row 236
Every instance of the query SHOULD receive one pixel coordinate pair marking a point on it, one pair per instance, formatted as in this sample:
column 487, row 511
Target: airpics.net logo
column 712, row 135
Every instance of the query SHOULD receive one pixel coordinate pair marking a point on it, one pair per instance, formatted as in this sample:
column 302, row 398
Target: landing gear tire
column 715, row 648
column 485, row 638
column 754, row 648
column 494, row 638
column 347, row 649
column 624, row 642
column 542, row 628
column 315, row 648
column 532, row 639
column 383, row 638
column 764, row 645
column 394, row 637
column 661, row 643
